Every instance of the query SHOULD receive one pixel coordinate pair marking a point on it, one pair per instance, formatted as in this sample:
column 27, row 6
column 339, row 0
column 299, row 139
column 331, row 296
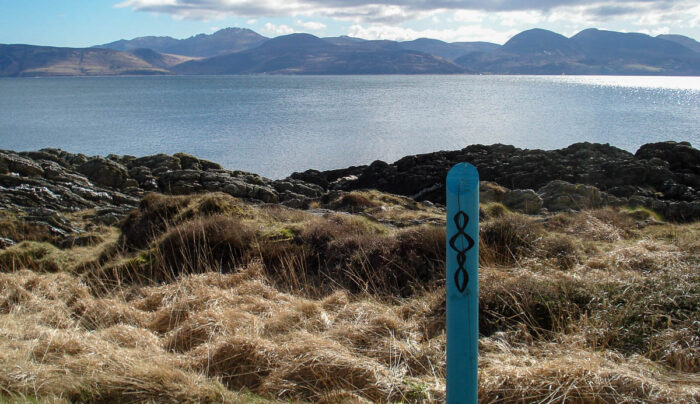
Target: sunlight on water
column 662, row 82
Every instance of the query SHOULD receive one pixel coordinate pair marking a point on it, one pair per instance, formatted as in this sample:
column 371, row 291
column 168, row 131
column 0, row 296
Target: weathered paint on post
column 462, row 284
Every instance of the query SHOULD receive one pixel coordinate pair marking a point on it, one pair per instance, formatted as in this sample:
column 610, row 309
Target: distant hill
column 591, row 51
column 224, row 41
column 689, row 43
column 343, row 40
column 242, row 51
column 161, row 60
column 607, row 45
column 447, row 50
column 28, row 60
column 433, row 47
column 539, row 42
column 307, row 54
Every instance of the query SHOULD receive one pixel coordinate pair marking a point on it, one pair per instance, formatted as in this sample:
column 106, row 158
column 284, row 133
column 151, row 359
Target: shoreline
column 663, row 177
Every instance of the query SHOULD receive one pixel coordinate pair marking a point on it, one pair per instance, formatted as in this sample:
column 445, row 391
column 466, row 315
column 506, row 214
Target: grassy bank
column 211, row 299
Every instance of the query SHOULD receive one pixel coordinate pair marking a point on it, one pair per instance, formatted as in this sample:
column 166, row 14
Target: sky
column 80, row 23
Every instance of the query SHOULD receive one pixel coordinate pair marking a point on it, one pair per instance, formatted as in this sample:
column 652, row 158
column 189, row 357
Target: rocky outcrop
column 41, row 186
column 60, row 181
column 560, row 196
column 523, row 200
column 663, row 176
column 12, row 163
column 104, row 172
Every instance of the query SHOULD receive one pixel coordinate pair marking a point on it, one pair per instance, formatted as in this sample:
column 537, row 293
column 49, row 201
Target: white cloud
column 252, row 21
column 463, row 33
column 311, row 25
column 390, row 15
column 518, row 18
column 275, row 30
column 366, row 10
column 468, row 16
column 214, row 29
column 655, row 32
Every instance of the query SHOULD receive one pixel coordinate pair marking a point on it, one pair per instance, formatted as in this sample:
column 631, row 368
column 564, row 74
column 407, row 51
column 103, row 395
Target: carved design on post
column 461, row 276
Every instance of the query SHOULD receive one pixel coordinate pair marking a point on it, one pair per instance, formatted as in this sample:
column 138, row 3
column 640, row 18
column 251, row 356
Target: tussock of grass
column 563, row 249
column 208, row 299
column 32, row 255
column 509, row 238
column 492, row 210
column 156, row 213
column 599, row 225
column 215, row 241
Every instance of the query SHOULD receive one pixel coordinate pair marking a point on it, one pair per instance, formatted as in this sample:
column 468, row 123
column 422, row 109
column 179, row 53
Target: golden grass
column 322, row 309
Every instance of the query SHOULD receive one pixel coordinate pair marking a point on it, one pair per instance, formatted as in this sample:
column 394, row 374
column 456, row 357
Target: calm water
column 274, row 125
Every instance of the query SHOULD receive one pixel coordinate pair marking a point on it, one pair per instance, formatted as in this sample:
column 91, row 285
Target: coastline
column 663, row 177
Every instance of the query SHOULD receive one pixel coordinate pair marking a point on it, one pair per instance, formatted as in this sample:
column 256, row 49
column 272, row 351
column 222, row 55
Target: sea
column 275, row 125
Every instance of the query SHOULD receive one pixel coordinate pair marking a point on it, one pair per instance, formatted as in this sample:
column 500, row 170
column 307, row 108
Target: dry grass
column 394, row 210
column 229, row 302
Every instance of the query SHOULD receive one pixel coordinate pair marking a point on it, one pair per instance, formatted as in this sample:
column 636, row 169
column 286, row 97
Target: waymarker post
column 462, row 259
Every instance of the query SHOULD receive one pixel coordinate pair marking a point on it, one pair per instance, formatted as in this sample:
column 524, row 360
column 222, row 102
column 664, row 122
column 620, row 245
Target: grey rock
column 298, row 187
column 104, row 172
column 13, row 163
column 141, row 173
column 55, row 222
column 296, row 203
column 189, row 162
column 599, row 165
column 160, row 162
column 678, row 155
column 46, row 154
column 560, row 196
column 523, row 200
column 131, row 183
column 6, row 242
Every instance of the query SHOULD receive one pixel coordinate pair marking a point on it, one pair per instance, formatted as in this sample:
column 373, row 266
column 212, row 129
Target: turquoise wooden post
column 462, row 284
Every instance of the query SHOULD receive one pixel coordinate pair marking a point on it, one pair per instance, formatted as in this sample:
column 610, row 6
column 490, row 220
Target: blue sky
column 89, row 22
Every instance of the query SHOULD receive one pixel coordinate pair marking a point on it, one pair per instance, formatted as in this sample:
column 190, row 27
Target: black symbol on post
column 461, row 276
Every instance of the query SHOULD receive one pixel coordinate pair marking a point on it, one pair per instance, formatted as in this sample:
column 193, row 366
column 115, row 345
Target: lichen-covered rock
column 298, row 188
column 104, row 172
column 523, row 200
column 563, row 196
column 157, row 162
column 189, row 162
column 13, row 163
column 46, row 154
column 238, row 184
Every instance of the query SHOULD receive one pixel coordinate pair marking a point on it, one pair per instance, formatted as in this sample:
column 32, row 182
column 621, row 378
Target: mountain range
column 243, row 51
